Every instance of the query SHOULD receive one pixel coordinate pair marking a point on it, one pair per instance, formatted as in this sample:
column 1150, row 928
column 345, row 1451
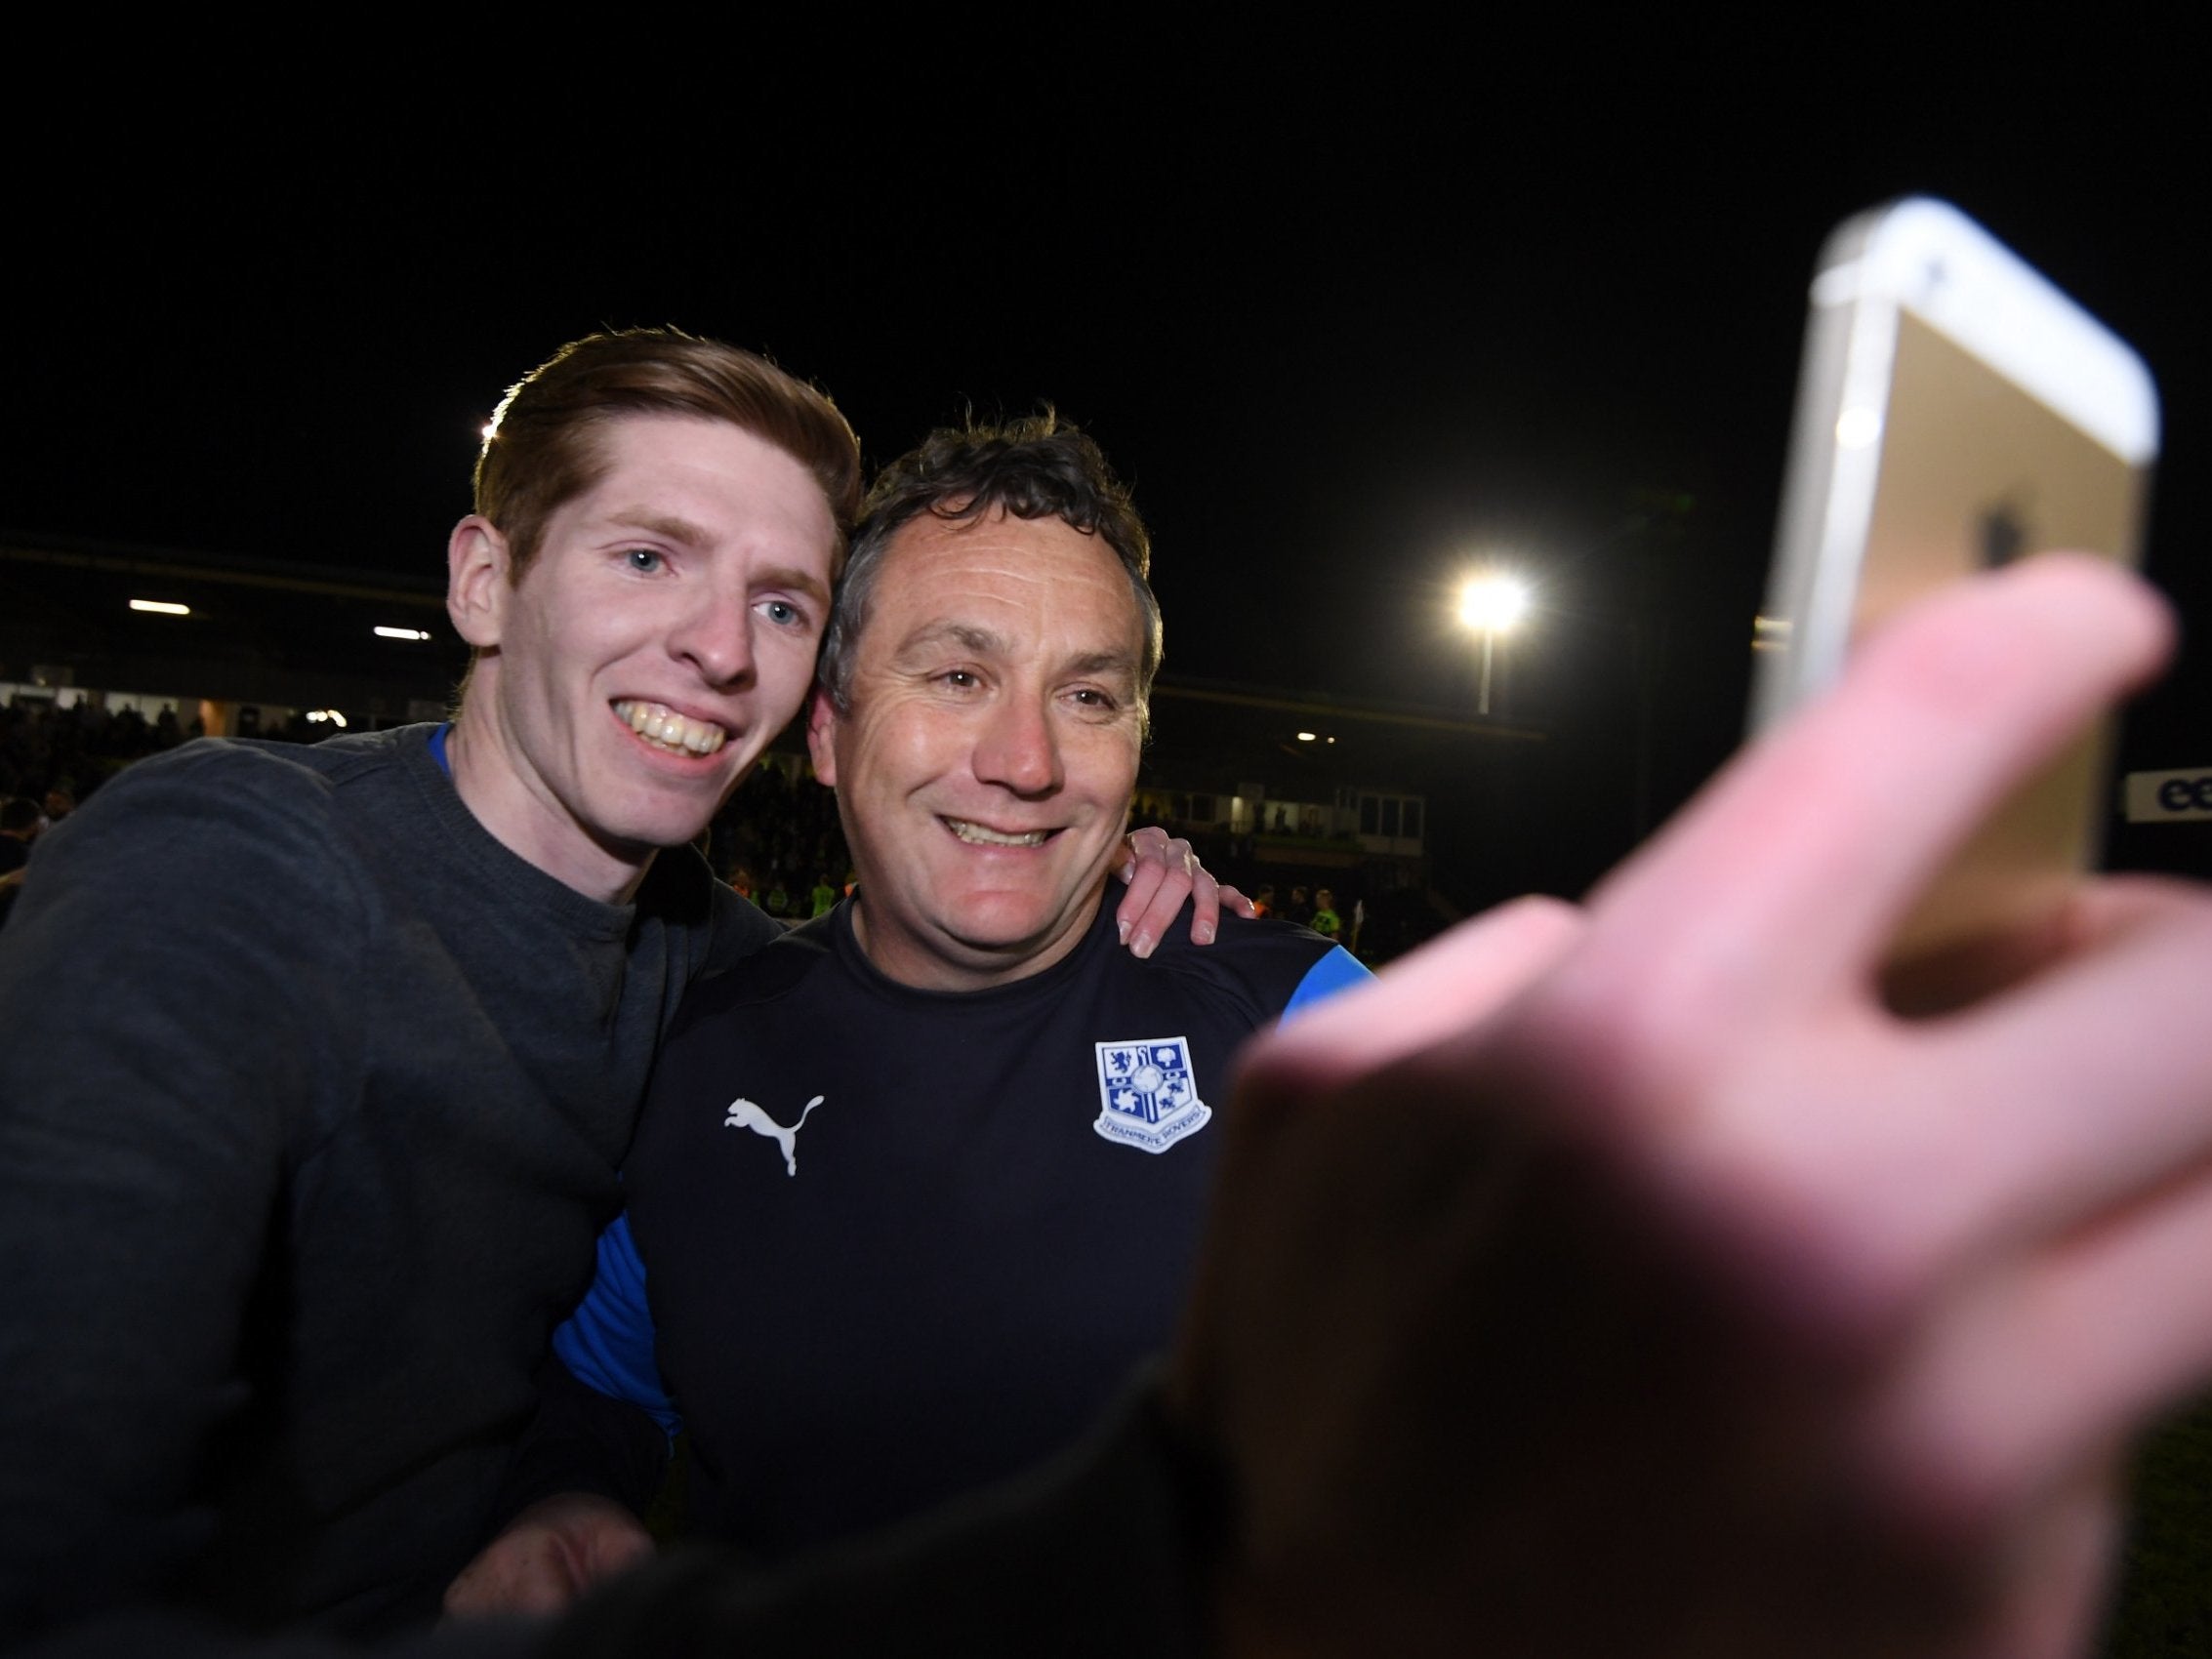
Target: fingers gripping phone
column 1954, row 412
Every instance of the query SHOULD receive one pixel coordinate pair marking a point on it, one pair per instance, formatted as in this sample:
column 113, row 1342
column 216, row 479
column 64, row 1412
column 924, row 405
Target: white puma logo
column 744, row 1113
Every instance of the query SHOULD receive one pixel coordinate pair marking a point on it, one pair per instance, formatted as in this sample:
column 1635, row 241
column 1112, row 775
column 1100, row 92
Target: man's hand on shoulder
column 549, row 1556
column 1162, row 871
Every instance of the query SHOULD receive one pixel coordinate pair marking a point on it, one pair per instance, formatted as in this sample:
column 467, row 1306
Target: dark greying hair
column 1037, row 468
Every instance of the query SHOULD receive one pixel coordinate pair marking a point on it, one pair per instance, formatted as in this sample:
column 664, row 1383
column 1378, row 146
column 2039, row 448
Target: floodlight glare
column 161, row 607
column 1491, row 604
column 403, row 634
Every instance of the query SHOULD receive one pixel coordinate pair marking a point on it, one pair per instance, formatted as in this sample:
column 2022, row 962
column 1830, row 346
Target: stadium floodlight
column 1492, row 603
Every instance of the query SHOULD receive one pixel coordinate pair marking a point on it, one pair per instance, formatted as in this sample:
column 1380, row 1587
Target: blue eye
column 782, row 612
column 643, row 560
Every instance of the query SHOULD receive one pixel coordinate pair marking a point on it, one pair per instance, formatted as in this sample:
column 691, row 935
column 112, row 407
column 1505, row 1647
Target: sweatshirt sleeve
column 172, row 983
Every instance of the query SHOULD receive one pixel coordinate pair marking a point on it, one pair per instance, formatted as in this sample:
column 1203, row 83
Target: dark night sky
column 1338, row 342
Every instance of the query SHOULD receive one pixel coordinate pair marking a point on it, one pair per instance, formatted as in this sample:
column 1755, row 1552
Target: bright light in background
column 1493, row 604
column 319, row 717
column 161, row 607
column 1305, row 736
column 403, row 634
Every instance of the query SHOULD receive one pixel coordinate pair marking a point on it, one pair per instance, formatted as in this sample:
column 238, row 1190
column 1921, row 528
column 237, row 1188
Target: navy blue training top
column 889, row 1246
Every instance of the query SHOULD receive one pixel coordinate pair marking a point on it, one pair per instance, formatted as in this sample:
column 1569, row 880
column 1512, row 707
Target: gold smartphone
column 1954, row 412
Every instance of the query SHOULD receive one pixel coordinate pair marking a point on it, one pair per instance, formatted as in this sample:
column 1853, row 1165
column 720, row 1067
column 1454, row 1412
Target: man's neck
column 950, row 967
column 530, row 827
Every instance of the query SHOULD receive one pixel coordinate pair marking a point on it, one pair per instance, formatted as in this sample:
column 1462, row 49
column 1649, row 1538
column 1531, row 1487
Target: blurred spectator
column 18, row 829
column 20, row 824
column 1324, row 920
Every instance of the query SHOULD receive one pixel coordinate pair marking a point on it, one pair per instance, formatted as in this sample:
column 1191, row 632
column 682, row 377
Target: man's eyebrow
column 985, row 643
column 671, row 528
column 666, row 525
column 981, row 641
column 803, row 581
column 1105, row 663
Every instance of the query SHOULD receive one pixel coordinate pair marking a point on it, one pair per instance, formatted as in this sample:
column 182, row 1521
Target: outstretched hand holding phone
column 1640, row 1282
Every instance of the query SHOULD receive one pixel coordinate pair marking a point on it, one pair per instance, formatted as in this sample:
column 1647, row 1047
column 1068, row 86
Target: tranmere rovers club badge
column 1149, row 1093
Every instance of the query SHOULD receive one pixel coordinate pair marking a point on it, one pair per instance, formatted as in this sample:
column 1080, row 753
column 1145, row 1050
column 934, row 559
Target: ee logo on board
column 2153, row 797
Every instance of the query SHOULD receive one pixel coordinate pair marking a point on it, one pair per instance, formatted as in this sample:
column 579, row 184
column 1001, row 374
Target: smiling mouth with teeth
column 664, row 729
column 976, row 836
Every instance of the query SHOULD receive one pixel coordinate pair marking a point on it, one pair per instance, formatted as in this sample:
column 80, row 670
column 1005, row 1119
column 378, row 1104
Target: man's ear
column 822, row 735
column 476, row 584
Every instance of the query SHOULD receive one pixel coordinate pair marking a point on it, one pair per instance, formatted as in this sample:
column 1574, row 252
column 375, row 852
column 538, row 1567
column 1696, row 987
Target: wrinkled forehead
column 1042, row 577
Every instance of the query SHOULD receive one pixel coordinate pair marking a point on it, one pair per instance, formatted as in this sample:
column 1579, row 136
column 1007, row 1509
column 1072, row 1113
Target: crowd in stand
column 71, row 751
column 50, row 758
column 777, row 840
